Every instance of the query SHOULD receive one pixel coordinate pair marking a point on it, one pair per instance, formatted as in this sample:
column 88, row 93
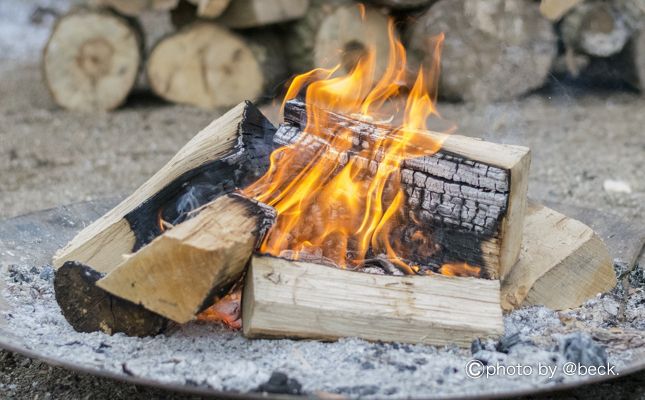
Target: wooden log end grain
column 493, row 49
column 92, row 60
column 337, row 32
column 208, row 66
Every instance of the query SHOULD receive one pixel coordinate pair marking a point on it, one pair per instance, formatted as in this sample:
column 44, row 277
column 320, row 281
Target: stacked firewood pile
column 216, row 53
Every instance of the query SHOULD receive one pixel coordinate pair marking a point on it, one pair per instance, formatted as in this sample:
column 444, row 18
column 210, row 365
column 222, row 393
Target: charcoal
column 579, row 347
column 280, row 383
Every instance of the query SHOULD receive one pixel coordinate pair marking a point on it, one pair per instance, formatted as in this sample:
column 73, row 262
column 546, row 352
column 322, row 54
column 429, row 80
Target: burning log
column 494, row 49
column 469, row 197
column 229, row 153
column 330, row 26
column 562, row 264
column 256, row 13
column 595, row 28
column 180, row 273
column 208, row 66
column 91, row 60
column 302, row 300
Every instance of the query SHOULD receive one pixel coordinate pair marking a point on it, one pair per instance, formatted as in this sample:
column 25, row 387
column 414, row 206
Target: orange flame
column 226, row 310
column 333, row 199
column 459, row 269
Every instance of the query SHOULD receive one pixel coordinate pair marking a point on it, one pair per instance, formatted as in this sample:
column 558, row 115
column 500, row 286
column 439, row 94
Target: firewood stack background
column 216, row 53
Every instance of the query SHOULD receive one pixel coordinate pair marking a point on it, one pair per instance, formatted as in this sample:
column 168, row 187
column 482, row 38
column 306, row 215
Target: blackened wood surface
column 458, row 202
column 245, row 163
column 89, row 308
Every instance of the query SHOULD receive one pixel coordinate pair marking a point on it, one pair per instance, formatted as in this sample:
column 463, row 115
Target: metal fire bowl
column 38, row 235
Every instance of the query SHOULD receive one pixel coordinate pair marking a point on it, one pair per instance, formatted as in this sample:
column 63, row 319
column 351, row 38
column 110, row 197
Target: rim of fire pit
column 9, row 344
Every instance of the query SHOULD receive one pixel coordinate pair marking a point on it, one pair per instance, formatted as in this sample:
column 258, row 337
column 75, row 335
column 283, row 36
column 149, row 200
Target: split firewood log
column 562, row 264
column 208, row 66
column 493, row 49
column 596, row 28
column 334, row 32
column 303, row 300
column 210, row 8
column 257, row 13
column 231, row 152
column 469, row 197
column 135, row 8
column 91, row 60
column 181, row 272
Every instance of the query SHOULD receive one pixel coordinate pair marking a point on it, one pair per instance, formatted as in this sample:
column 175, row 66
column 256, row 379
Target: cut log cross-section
column 230, row 153
column 303, row 300
column 470, row 197
column 493, row 49
column 91, row 60
column 596, row 28
column 208, row 66
column 335, row 32
column 184, row 270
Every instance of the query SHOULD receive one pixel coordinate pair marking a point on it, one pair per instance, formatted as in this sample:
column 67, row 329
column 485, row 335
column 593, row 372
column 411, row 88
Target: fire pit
column 206, row 358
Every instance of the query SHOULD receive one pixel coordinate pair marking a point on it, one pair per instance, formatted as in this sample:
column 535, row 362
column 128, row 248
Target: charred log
column 89, row 308
column 207, row 254
column 467, row 197
column 231, row 152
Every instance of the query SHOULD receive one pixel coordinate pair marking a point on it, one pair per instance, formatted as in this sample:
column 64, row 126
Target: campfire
column 351, row 218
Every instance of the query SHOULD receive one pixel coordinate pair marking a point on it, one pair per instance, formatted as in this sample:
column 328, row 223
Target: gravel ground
column 580, row 139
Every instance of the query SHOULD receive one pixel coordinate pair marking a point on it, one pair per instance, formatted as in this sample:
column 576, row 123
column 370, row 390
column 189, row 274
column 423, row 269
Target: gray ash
column 210, row 355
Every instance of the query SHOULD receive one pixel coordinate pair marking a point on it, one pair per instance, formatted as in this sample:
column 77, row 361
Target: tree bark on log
column 595, row 28
column 92, row 60
column 208, row 66
column 181, row 272
column 242, row 14
column 334, row 32
column 493, row 49
column 563, row 263
column 470, row 196
column 309, row 301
